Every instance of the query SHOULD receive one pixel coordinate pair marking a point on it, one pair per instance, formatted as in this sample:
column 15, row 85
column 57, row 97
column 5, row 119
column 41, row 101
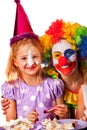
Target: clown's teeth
column 64, row 66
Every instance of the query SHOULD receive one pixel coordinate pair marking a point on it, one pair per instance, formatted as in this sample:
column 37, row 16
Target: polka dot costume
column 38, row 97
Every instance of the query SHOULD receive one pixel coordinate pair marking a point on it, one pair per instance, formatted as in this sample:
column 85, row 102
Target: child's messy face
column 64, row 58
column 28, row 59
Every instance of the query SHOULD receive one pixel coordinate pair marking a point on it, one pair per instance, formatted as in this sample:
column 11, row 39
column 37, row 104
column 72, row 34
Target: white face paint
column 31, row 60
column 64, row 57
column 60, row 47
column 36, row 61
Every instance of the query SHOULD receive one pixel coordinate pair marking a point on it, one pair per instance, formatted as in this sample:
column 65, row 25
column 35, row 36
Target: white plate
column 79, row 125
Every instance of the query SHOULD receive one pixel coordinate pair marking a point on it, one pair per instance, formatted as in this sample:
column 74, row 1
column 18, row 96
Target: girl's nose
column 30, row 60
column 62, row 61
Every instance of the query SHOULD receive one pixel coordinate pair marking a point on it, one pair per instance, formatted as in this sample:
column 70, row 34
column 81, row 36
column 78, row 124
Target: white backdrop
column 41, row 13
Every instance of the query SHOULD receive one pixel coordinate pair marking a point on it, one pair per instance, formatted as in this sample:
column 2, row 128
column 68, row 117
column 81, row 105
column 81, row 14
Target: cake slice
column 19, row 124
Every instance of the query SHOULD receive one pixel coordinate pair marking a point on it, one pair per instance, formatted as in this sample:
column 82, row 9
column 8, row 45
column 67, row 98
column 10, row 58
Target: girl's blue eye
column 68, row 53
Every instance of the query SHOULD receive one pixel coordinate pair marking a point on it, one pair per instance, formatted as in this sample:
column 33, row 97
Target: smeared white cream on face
column 37, row 62
column 31, row 60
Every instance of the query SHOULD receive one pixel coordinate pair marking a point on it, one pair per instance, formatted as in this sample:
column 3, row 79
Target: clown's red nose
column 62, row 61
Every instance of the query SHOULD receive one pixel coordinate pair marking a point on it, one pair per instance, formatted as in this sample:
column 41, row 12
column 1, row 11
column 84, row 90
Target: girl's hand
column 33, row 116
column 5, row 104
column 84, row 118
column 61, row 111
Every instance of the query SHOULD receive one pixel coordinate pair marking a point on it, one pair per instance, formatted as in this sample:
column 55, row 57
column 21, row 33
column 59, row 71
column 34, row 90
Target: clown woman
column 65, row 56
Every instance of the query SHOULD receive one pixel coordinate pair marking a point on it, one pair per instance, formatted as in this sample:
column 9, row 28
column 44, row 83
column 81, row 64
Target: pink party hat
column 22, row 26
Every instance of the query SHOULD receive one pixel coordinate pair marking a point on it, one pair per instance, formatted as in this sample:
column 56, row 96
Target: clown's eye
column 56, row 55
column 68, row 53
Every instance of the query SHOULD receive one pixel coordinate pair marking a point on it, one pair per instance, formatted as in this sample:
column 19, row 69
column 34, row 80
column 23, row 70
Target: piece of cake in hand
column 19, row 124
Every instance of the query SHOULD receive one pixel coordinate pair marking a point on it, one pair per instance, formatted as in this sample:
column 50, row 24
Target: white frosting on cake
column 49, row 124
column 19, row 124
